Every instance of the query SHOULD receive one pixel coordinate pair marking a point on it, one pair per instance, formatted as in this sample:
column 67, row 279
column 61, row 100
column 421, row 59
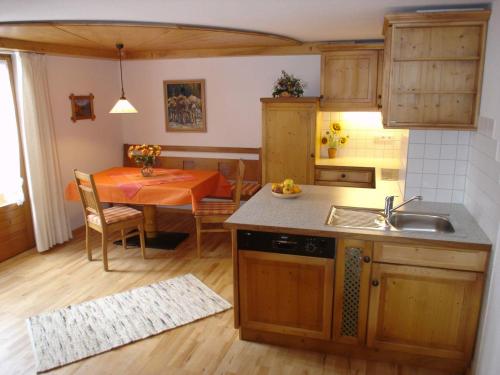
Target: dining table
column 166, row 187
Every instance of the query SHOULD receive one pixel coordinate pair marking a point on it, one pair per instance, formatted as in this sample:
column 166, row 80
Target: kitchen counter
column 308, row 213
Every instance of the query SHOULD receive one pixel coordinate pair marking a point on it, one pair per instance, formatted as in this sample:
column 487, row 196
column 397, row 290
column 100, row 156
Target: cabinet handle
column 343, row 175
column 312, row 155
column 375, row 283
column 321, row 96
column 367, row 259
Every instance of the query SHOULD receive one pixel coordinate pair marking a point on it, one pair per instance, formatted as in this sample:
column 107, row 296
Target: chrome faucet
column 389, row 202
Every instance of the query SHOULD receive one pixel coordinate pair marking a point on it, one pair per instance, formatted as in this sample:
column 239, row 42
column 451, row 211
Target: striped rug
column 89, row 328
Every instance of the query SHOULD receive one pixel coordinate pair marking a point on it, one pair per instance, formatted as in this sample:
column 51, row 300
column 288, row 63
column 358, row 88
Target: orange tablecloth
column 167, row 186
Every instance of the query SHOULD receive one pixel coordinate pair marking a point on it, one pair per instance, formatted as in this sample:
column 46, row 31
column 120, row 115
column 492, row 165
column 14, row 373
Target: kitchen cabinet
column 350, row 78
column 352, row 284
column 360, row 177
column 286, row 294
column 423, row 310
column 288, row 139
column 433, row 68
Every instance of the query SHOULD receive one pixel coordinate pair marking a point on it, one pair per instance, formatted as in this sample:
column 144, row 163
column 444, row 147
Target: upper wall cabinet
column 350, row 78
column 433, row 67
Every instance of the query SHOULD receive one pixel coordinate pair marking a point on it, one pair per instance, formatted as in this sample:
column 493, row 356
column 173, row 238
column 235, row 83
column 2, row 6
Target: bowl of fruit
column 286, row 189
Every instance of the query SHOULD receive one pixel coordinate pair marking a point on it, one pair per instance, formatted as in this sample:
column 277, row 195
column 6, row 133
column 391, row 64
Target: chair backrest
column 88, row 195
column 239, row 182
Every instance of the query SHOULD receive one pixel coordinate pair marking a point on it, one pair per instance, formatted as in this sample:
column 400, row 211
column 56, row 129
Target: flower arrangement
column 144, row 155
column 288, row 85
column 334, row 139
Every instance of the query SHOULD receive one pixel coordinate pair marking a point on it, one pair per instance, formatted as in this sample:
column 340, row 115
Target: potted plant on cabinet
column 288, row 85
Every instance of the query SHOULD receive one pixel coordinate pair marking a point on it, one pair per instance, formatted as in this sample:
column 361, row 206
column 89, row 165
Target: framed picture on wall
column 185, row 107
column 82, row 107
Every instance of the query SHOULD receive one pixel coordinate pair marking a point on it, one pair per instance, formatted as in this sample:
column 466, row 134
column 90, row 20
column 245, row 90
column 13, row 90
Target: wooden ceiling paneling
column 141, row 40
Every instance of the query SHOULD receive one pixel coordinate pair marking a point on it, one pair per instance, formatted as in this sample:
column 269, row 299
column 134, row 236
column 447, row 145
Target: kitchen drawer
column 345, row 176
column 458, row 259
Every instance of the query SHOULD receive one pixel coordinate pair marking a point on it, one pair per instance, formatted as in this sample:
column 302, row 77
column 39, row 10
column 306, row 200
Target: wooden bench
column 223, row 159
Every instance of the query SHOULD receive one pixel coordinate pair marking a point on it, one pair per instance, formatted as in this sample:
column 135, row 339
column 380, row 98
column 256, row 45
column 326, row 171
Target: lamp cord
column 121, row 73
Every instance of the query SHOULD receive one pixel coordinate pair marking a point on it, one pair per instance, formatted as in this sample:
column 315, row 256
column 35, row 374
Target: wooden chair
column 108, row 220
column 217, row 212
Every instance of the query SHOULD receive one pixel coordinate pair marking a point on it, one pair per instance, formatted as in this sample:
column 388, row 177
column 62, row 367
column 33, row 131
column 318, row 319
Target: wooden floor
column 31, row 283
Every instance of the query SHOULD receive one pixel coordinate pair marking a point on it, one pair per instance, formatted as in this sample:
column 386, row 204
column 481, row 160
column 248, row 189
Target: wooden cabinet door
column 349, row 80
column 352, row 284
column 424, row 311
column 433, row 72
column 288, row 141
column 286, row 294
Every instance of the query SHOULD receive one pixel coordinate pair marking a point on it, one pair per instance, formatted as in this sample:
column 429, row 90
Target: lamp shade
column 123, row 106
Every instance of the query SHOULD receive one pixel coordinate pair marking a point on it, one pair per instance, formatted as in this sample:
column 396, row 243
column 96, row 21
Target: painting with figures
column 185, row 105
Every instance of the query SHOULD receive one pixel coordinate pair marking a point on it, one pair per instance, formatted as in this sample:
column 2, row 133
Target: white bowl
column 286, row 196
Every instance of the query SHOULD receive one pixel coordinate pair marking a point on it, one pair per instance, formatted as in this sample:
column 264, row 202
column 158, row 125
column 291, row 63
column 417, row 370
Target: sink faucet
column 389, row 202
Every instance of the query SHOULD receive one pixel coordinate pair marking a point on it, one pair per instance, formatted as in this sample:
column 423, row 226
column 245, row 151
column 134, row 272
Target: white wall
column 482, row 197
column 87, row 145
column 233, row 88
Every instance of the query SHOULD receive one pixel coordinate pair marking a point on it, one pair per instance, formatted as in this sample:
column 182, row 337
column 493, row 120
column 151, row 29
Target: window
column 11, row 182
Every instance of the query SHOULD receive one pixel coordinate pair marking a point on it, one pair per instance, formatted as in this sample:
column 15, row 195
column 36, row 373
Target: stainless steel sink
column 360, row 218
column 420, row 222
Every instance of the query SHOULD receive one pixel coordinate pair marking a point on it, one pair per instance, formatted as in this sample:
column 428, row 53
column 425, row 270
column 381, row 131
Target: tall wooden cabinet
column 433, row 67
column 288, row 139
column 350, row 78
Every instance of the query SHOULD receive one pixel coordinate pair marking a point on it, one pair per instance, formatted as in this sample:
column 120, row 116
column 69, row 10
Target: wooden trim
column 290, row 99
column 214, row 149
column 301, row 49
column 236, row 280
column 350, row 46
column 435, row 17
column 328, row 346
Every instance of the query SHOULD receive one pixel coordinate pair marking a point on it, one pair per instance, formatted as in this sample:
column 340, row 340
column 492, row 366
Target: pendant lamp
column 122, row 105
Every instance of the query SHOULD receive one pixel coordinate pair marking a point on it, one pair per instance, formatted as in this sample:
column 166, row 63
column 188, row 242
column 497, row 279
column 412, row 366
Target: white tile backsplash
column 482, row 186
column 445, row 181
column 437, row 164
column 432, row 151
column 433, row 137
column 367, row 137
column 447, row 166
column 431, row 166
column 429, row 180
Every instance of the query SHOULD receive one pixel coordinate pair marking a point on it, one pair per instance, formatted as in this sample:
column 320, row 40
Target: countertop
column 308, row 213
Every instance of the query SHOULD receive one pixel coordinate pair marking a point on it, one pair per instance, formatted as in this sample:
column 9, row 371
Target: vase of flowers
column 145, row 156
column 334, row 139
column 288, row 85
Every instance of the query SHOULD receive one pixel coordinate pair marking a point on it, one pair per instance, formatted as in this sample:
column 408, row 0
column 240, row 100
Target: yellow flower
column 336, row 126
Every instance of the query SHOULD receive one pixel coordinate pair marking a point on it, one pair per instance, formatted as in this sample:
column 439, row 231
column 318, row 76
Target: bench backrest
column 223, row 159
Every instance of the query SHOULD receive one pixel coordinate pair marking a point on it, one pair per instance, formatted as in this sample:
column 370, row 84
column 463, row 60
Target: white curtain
column 50, row 218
